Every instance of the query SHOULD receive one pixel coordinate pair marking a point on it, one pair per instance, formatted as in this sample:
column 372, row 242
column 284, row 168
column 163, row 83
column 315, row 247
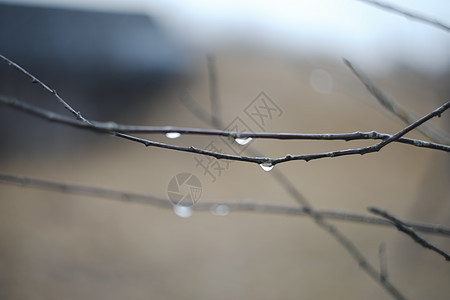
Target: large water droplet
column 183, row 211
column 173, row 135
column 266, row 166
column 243, row 141
column 220, row 210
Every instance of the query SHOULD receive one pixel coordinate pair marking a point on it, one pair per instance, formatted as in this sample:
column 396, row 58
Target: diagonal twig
column 35, row 80
column 383, row 261
column 213, row 90
column 407, row 14
column 435, row 113
column 409, row 231
column 392, row 105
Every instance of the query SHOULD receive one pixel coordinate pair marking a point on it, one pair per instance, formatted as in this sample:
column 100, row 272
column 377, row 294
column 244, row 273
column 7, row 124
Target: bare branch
column 109, row 129
column 362, row 261
column 112, row 128
column 407, row 14
column 254, row 207
column 436, row 113
column 392, row 105
column 409, row 231
column 213, row 90
column 119, row 128
column 203, row 115
column 45, row 87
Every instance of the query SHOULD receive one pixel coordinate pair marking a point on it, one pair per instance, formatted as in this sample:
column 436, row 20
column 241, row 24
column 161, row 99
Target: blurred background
column 129, row 62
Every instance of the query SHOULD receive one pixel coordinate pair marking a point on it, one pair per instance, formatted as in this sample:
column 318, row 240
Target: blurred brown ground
column 59, row 246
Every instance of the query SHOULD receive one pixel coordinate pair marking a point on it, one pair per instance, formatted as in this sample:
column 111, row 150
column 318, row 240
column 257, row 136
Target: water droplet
column 267, row 166
column 220, row 210
column 173, row 135
column 182, row 211
column 243, row 141
column 321, row 81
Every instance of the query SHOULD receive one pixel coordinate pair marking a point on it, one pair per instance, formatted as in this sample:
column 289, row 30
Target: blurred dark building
column 105, row 63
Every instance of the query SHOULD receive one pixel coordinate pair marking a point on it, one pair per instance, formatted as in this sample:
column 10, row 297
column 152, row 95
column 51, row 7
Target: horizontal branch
column 112, row 128
column 206, row 206
column 403, row 227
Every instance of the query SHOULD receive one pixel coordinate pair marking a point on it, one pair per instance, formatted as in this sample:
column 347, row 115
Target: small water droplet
column 183, row 211
column 173, row 135
column 267, row 166
column 243, row 141
column 220, row 210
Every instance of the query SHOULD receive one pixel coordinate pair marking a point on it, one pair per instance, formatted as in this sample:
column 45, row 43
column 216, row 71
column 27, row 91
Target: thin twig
column 436, row 113
column 246, row 206
column 407, row 14
column 45, row 87
column 213, row 89
column 362, row 261
column 383, row 262
column 198, row 111
column 409, row 231
column 109, row 129
column 345, row 242
column 395, row 108
column 83, row 190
